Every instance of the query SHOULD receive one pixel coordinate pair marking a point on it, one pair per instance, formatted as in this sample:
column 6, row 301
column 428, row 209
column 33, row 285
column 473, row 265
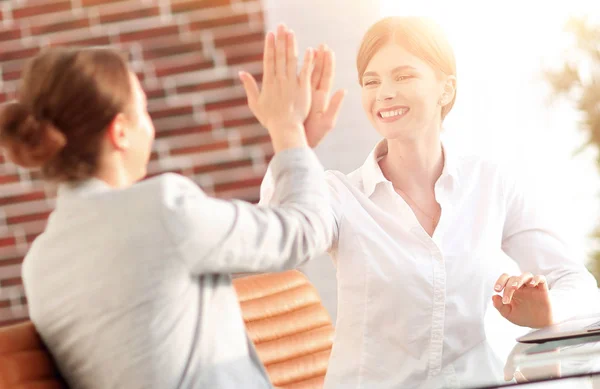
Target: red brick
column 31, row 237
column 242, row 37
column 140, row 75
column 36, row 175
column 60, row 26
column 226, row 104
column 184, row 131
column 41, row 9
column 18, row 53
column 219, row 22
column 2, row 100
column 5, row 304
column 78, row 41
column 154, row 94
column 143, row 12
column 148, row 33
column 250, row 182
column 268, row 158
column 191, row 64
column 179, row 6
column 250, row 195
column 199, row 149
column 240, row 59
column 12, row 70
column 252, row 140
column 175, row 171
column 7, row 241
column 12, row 281
column 173, row 47
column 11, row 76
column 22, row 198
column 222, row 166
column 171, row 111
column 6, row 179
column 27, row 218
column 245, row 49
column 206, row 86
column 240, row 122
column 10, row 34
column 11, row 261
column 91, row 3
column 12, row 322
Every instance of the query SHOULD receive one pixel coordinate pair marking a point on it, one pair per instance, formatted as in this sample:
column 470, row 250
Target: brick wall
column 187, row 54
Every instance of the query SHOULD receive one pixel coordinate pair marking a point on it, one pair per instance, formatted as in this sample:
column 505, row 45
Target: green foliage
column 579, row 82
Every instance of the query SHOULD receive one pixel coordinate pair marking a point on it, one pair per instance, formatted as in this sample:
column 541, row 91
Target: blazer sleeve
column 218, row 236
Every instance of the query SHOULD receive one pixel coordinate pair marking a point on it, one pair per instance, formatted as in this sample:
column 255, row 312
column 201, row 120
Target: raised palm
column 323, row 112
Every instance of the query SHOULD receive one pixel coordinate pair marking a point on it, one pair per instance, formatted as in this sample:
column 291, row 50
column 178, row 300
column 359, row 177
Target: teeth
column 388, row 114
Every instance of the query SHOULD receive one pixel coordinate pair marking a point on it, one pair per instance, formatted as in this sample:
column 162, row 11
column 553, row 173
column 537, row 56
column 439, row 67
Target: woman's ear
column 448, row 92
column 117, row 133
column 449, row 89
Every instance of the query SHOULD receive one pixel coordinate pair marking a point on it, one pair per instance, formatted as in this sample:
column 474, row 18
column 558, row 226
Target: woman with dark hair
column 128, row 285
column 418, row 230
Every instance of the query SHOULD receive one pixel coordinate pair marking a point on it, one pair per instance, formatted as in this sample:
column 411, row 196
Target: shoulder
column 338, row 179
column 168, row 187
column 471, row 163
column 479, row 169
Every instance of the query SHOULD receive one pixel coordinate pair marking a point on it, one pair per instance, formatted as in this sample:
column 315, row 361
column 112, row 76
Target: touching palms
column 323, row 112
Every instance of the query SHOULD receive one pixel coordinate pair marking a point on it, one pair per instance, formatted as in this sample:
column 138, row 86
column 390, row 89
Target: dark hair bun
column 29, row 142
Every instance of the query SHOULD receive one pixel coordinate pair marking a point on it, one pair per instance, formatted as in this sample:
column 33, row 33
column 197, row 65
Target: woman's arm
column 216, row 236
column 321, row 119
column 534, row 241
column 269, row 197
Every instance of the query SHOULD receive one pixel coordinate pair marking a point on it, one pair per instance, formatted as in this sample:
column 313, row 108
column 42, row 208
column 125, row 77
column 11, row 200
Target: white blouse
column 410, row 304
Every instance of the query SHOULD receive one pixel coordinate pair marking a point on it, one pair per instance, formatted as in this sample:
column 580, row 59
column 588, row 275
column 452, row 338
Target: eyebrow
column 395, row 70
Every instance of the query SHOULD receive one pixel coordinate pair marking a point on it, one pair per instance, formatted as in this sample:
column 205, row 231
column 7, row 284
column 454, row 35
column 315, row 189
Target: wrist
column 288, row 136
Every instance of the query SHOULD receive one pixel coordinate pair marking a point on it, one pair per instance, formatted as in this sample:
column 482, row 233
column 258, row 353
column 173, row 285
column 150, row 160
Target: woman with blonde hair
column 417, row 229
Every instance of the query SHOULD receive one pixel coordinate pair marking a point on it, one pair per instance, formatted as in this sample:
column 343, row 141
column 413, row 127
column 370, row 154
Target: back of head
column 418, row 35
column 67, row 99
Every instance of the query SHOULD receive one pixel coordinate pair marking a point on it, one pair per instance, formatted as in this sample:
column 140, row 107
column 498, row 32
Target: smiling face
column 401, row 94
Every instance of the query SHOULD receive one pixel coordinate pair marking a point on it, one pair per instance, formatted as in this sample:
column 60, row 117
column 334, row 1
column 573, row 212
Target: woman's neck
column 413, row 166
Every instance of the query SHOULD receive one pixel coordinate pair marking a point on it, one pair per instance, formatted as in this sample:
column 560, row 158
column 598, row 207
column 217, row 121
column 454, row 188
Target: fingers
column 538, row 280
column 251, row 89
column 281, row 51
column 501, row 282
column 307, row 68
column 328, row 65
column 504, row 309
column 269, row 58
column 319, row 64
column 292, row 56
column 334, row 107
column 513, row 284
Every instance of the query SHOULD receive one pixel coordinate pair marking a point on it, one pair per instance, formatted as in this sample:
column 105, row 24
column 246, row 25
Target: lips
column 392, row 114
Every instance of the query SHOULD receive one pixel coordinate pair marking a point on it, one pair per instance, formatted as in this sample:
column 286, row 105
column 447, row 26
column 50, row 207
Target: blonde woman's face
column 401, row 93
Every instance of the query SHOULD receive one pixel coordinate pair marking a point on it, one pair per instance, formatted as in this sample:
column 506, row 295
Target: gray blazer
column 129, row 288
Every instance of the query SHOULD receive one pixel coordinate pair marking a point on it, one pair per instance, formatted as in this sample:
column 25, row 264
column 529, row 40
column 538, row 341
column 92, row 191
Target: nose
column 385, row 92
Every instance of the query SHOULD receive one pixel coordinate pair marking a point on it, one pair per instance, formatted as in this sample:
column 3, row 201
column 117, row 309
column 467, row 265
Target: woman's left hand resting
column 525, row 300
